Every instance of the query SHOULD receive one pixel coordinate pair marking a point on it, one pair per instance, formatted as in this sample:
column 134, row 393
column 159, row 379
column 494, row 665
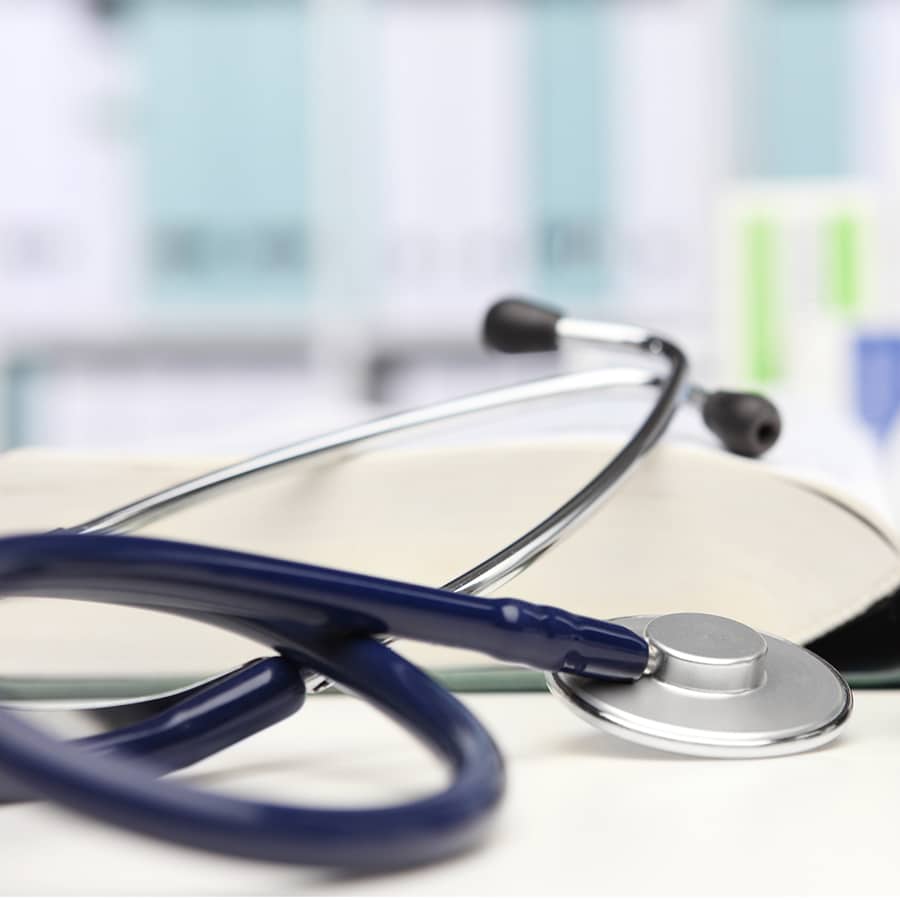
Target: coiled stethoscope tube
column 322, row 621
column 318, row 618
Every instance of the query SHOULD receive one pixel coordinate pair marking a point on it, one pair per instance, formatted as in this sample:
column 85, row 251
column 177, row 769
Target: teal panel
column 20, row 378
column 792, row 113
column 224, row 102
column 571, row 95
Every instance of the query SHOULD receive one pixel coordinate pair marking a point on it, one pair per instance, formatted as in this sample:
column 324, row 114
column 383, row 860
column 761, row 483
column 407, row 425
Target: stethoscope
column 691, row 683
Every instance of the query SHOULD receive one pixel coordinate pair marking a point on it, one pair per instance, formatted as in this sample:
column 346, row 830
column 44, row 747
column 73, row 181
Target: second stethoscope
column 691, row 683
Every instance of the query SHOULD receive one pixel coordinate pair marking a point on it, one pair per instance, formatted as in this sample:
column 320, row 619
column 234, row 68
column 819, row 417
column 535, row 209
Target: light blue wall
column 571, row 71
column 223, row 147
column 793, row 84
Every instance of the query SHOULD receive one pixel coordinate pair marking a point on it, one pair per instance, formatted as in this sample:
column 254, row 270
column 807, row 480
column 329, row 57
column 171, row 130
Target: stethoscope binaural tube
column 747, row 424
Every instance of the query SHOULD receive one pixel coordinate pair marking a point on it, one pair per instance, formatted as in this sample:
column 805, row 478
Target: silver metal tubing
column 521, row 553
column 148, row 509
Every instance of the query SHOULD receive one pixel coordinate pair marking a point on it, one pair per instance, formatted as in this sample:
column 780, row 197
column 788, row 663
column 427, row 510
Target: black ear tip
column 515, row 325
column 747, row 424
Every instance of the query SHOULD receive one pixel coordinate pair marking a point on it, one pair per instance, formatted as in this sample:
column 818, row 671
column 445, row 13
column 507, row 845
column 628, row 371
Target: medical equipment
column 689, row 682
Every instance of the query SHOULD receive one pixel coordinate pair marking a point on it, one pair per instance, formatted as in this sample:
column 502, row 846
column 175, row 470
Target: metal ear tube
column 747, row 424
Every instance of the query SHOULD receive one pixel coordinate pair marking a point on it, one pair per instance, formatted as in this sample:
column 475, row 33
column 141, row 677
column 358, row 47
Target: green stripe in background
column 468, row 680
column 842, row 254
column 482, row 679
column 763, row 351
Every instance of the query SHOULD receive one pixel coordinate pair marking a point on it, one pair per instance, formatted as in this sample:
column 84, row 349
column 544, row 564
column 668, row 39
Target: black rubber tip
column 747, row 424
column 520, row 326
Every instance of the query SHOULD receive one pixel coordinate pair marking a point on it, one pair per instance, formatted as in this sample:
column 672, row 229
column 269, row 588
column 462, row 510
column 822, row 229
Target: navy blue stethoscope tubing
column 315, row 618
column 215, row 716
column 267, row 598
column 120, row 792
column 117, row 790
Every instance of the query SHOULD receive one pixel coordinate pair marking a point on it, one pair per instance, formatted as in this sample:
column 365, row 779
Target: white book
column 692, row 530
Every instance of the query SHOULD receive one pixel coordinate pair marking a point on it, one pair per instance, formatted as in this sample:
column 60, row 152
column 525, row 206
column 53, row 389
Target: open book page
column 692, row 529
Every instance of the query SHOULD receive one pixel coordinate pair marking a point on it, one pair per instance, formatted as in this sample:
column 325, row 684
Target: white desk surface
column 584, row 813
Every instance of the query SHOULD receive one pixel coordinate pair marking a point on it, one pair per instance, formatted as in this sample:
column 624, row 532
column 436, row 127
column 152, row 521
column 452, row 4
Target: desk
column 584, row 813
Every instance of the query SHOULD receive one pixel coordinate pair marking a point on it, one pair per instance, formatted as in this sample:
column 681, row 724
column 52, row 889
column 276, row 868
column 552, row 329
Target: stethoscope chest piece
column 715, row 688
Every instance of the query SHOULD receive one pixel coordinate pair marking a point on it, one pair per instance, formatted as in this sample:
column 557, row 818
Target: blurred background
column 228, row 222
